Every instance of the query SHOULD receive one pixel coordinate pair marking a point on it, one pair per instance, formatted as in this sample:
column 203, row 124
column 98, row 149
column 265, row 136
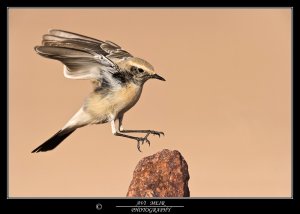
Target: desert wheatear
column 117, row 76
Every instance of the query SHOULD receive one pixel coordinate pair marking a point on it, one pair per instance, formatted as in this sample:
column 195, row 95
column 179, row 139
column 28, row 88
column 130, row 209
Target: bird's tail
column 54, row 141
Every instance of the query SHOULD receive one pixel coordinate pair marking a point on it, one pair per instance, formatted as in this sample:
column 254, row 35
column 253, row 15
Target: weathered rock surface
column 164, row 174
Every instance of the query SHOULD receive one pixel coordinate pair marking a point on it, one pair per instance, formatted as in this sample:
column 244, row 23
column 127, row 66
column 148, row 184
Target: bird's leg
column 121, row 129
column 138, row 139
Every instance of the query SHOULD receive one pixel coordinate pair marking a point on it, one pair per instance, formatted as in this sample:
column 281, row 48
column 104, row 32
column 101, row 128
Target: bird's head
column 141, row 70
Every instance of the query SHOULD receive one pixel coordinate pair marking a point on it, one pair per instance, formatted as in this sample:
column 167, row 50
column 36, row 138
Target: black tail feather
column 54, row 141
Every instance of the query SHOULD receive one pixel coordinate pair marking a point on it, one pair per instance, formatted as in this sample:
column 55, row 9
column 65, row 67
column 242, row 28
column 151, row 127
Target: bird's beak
column 156, row 76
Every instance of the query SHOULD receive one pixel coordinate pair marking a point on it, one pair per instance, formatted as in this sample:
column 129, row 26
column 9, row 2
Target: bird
column 117, row 78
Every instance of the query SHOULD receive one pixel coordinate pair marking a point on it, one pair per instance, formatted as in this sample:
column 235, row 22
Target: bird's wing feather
column 80, row 64
column 73, row 40
column 75, row 43
column 70, row 35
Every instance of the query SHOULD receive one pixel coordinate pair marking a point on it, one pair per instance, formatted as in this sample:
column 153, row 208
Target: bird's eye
column 140, row 70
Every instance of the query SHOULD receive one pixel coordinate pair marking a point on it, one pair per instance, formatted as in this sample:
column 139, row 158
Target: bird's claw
column 157, row 133
column 142, row 140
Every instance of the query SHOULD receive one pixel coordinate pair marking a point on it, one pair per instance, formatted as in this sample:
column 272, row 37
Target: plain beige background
column 226, row 104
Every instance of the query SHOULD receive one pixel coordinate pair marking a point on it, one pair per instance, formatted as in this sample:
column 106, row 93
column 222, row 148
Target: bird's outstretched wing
column 72, row 40
column 84, row 57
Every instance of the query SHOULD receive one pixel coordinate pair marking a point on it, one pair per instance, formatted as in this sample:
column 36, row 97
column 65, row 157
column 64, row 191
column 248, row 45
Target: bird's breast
column 103, row 106
column 126, row 97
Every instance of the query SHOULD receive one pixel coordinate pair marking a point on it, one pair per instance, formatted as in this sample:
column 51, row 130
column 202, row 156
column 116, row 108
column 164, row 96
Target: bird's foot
column 156, row 133
column 142, row 140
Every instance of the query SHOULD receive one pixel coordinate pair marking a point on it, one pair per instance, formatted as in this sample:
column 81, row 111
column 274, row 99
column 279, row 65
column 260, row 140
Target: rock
column 164, row 174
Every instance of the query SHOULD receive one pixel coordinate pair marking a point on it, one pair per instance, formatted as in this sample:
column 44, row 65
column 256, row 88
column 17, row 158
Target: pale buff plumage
column 118, row 79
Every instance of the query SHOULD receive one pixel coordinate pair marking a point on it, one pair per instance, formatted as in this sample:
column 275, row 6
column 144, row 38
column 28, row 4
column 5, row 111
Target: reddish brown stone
column 164, row 174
